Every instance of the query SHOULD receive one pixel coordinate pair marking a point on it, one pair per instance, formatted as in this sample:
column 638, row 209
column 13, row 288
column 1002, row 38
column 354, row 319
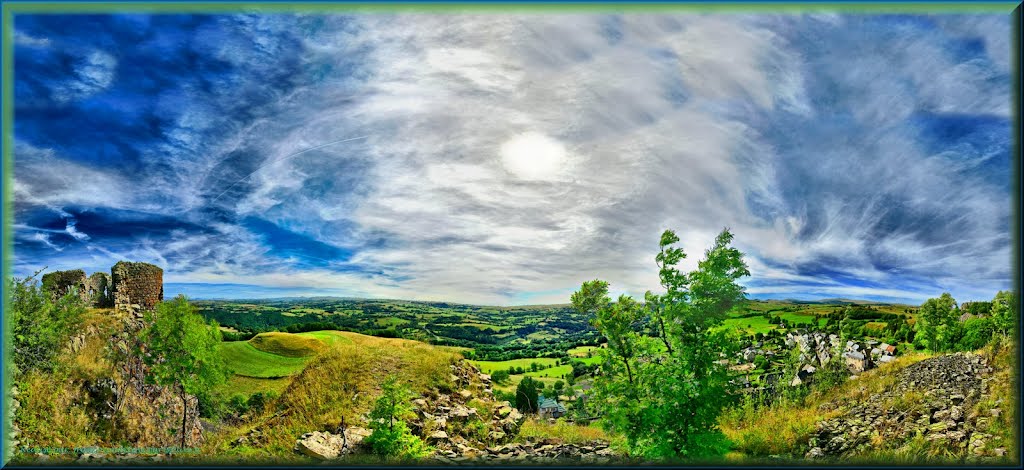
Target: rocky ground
column 934, row 398
column 465, row 426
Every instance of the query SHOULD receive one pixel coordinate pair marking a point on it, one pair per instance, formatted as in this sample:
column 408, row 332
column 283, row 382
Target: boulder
column 437, row 437
column 320, row 445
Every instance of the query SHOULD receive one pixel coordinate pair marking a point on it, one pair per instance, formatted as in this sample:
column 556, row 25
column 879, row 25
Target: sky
column 497, row 159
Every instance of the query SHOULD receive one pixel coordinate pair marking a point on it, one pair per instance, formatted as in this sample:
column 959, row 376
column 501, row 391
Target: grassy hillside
column 340, row 383
column 276, row 355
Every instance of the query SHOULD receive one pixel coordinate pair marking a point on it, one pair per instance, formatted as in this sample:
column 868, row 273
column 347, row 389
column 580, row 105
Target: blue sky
column 504, row 159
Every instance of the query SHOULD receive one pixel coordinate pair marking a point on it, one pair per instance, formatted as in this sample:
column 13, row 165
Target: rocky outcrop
column 464, row 420
column 328, row 446
column 933, row 398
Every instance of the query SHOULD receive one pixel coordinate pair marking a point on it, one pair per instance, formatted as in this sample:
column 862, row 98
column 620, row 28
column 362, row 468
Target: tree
column 976, row 332
column 665, row 393
column 182, row 351
column 527, row 395
column 500, row 376
column 391, row 437
column 1004, row 312
column 40, row 326
column 936, row 322
column 557, row 387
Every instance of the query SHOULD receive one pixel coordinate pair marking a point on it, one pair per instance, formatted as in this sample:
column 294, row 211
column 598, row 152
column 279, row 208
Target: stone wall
column 59, row 283
column 136, row 284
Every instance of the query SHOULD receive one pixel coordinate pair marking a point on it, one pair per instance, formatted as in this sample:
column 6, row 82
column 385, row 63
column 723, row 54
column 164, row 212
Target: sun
column 533, row 156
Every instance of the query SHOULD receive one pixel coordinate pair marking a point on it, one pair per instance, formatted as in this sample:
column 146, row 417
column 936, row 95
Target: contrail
column 283, row 159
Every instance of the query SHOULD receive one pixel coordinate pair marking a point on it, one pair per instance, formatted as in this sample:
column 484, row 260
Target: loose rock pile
column 933, row 398
column 548, row 451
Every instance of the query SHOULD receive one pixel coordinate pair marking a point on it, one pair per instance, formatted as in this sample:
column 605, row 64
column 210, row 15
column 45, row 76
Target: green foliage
column 391, row 437
column 1004, row 312
column 937, row 322
column 661, row 387
column 181, row 351
column 500, row 377
column 558, row 386
column 40, row 327
column 527, row 395
column 976, row 333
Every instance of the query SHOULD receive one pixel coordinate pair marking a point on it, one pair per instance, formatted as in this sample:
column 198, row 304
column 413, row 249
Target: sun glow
column 533, row 156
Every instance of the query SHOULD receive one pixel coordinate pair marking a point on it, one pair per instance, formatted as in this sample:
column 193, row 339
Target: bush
column 391, row 437
column 40, row 328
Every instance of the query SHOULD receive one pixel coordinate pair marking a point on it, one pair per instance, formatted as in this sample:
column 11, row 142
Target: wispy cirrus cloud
column 508, row 158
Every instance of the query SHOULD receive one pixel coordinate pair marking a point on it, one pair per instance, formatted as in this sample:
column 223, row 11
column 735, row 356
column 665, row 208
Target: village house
column 550, row 408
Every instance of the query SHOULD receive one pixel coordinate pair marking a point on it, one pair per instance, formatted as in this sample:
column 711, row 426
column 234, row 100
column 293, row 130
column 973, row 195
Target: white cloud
column 513, row 157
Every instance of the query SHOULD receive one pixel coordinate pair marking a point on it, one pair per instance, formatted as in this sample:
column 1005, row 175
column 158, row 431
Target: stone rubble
column 950, row 385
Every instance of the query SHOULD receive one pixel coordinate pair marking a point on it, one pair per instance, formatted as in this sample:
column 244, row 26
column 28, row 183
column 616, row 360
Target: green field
column 242, row 358
column 275, row 355
column 488, row 367
column 555, row 372
column 582, row 351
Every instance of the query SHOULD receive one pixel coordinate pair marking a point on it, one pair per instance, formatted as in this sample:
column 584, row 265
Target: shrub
column 40, row 328
column 391, row 437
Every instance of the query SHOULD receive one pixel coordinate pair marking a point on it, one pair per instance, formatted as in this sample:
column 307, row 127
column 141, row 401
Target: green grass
column 243, row 358
column 238, row 384
column 555, row 372
column 588, row 360
column 287, row 344
column 582, row 351
column 328, row 337
column 488, row 367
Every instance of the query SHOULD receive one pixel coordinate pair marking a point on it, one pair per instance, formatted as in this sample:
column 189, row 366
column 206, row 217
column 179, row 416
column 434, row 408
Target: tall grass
column 566, row 432
column 784, row 427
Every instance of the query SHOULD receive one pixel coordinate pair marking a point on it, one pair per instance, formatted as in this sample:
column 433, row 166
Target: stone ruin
column 136, row 284
column 61, row 283
column 129, row 286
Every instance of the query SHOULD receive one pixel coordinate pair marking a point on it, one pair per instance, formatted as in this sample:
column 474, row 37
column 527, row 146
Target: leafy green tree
column 391, row 437
column 976, row 333
column 181, row 351
column 936, row 322
column 665, row 393
column 500, row 376
column 558, row 387
column 1004, row 312
column 40, row 327
column 527, row 395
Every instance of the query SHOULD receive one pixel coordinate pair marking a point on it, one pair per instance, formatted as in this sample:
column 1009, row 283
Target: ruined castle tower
column 139, row 284
column 128, row 284
column 59, row 283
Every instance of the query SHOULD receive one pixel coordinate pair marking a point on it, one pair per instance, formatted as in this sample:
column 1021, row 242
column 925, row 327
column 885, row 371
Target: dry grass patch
column 568, row 433
column 785, row 427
